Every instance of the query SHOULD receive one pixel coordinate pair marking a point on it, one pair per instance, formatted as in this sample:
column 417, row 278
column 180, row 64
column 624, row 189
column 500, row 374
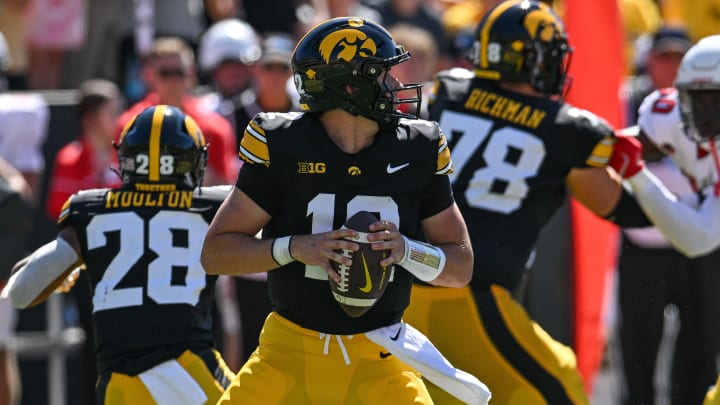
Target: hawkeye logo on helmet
column 346, row 44
column 542, row 25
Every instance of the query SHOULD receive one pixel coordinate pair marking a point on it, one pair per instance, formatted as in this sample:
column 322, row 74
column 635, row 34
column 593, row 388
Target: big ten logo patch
column 311, row 167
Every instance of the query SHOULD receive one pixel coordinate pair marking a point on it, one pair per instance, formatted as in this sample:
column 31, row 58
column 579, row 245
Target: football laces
column 344, row 272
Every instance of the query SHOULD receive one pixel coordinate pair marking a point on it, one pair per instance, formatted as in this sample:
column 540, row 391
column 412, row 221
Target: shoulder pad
column 450, row 85
column 83, row 197
column 456, row 74
column 274, row 120
column 254, row 143
column 420, row 127
column 583, row 120
column 430, row 130
column 88, row 196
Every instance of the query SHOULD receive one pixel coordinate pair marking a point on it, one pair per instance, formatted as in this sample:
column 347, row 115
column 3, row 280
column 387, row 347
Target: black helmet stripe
column 154, row 147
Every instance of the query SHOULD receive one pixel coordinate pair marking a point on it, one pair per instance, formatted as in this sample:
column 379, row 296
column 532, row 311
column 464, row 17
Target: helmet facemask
column 699, row 111
column 548, row 61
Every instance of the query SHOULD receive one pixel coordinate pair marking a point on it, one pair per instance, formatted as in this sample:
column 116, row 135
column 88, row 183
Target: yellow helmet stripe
column 485, row 33
column 154, row 147
column 194, row 131
column 126, row 128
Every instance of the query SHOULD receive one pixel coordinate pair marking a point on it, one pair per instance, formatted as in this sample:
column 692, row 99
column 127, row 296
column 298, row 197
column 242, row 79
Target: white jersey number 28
column 109, row 295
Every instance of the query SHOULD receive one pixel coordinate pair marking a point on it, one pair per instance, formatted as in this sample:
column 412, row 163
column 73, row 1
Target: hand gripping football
column 361, row 284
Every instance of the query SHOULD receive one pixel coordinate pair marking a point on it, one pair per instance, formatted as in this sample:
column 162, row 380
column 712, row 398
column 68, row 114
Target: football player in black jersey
column 304, row 175
column 517, row 150
column 140, row 244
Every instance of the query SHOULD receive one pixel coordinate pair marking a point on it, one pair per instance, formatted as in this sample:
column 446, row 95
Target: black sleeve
column 256, row 181
column 438, row 196
column 628, row 213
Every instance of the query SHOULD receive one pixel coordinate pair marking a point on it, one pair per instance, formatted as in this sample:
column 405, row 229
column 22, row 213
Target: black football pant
column 649, row 280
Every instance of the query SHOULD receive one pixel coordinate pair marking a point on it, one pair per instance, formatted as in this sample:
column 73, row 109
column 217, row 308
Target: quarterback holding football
column 304, row 176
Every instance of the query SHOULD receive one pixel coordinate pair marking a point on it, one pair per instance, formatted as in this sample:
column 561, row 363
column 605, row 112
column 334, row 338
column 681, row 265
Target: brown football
column 362, row 283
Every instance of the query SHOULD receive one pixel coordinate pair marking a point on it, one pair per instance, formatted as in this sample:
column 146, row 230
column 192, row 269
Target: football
column 363, row 283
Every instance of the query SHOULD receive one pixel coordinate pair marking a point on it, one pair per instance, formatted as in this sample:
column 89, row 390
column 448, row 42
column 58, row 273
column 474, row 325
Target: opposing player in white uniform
column 684, row 123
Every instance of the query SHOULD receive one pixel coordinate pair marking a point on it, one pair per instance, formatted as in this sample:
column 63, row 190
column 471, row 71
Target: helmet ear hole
column 372, row 70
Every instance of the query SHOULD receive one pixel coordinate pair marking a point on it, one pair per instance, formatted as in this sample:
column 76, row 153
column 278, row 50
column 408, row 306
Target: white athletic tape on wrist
column 281, row 250
column 46, row 264
column 423, row 260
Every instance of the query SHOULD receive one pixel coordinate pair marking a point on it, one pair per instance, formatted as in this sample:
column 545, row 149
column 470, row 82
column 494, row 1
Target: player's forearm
column 236, row 254
column 38, row 275
column 458, row 266
column 694, row 232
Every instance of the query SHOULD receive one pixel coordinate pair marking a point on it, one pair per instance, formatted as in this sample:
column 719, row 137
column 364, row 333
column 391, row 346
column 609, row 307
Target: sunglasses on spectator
column 167, row 73
column 276, row 67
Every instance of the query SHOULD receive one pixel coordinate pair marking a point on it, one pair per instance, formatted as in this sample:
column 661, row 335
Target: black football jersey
column 307, row 184
column 511, row 155
column 151, row 296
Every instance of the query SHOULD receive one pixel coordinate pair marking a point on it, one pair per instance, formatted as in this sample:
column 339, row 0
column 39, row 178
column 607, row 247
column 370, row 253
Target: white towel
column 170, row 384
column 415, row 349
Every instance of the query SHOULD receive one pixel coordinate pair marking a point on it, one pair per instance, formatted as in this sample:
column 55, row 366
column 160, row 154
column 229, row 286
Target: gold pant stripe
column 450, row 318
column 553, row 357
column 713, row 396
column 126, row 390
column 200, row 373
column 123, row 389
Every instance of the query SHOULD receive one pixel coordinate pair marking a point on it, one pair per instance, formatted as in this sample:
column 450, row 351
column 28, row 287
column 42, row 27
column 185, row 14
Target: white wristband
column 281, row 250
column 423, row 260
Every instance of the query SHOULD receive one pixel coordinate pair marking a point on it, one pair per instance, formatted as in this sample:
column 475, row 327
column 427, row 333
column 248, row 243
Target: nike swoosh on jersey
column 392, row 169
column 368, row 280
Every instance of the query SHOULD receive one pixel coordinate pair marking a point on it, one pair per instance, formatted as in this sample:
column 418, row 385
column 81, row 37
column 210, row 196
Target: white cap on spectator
column 277, row 48
column 228, row 40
